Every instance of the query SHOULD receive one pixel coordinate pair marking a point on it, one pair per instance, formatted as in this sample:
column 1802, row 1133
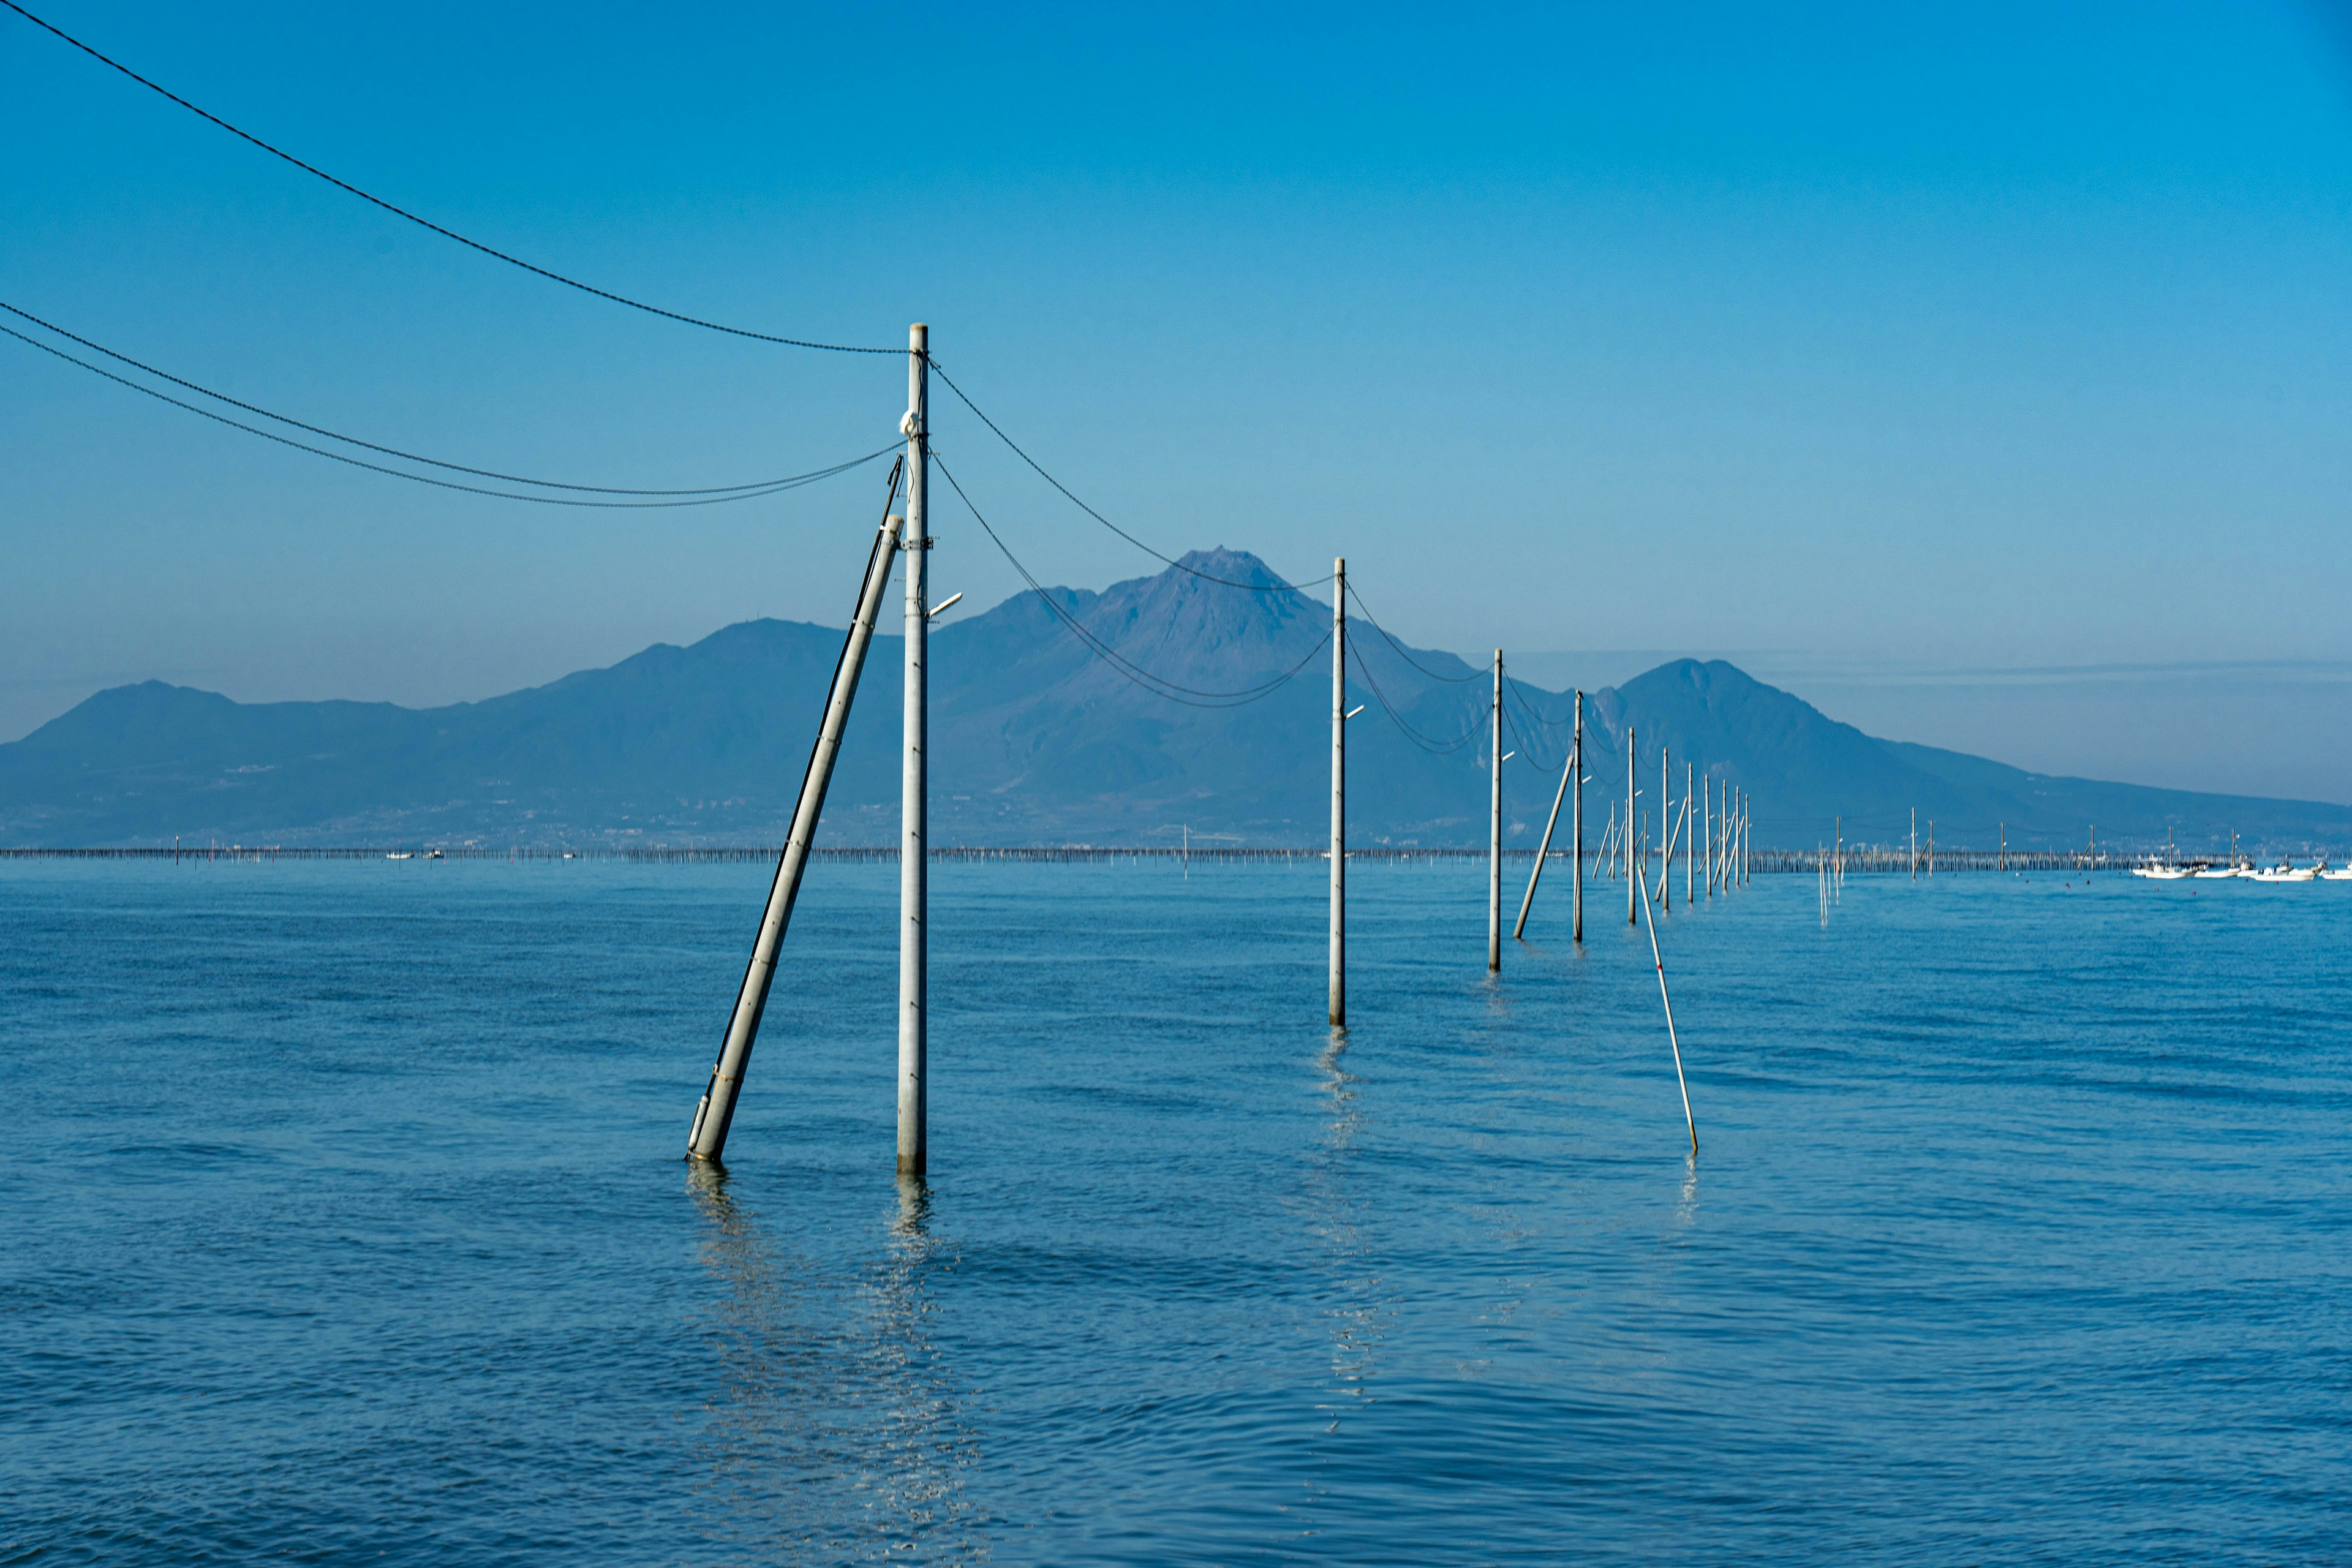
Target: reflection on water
column 1357, row 1313
column 833, row 1429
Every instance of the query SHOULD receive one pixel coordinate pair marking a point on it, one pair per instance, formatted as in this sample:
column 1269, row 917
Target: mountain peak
column 1233, row 566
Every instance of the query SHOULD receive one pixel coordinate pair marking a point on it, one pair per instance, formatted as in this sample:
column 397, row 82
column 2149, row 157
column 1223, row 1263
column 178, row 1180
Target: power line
column 998, row 431
column 793, row 482
column 1429, row 744
column 1157, row 685
column 427, row 223
column 1451, row 680
column 371, row 446
column 1511, row 684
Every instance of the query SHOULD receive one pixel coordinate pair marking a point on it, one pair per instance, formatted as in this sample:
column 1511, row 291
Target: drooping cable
column 426, row 223
column 1168, row 559
column 1515, row 689
column 371, row 446
column 1429, row 744
column 1450, row 680
column 793, row 482
column 1157, row 685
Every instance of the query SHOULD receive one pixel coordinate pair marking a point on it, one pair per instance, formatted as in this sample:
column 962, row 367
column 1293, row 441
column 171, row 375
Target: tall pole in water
column 1576, row 821
column 1632, row 872
column 1494, row 828
column 1340, row 793
column 1706, row 806
column 707, row 1139
column 1665, row 828
column 1915, row 843
column 913, row 889
column 1690, row 850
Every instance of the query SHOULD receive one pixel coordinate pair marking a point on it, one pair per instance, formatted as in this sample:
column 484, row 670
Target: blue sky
column 1980, row 372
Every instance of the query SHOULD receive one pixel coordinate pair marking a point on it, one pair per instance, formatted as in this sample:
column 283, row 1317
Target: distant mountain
column 1037, row 739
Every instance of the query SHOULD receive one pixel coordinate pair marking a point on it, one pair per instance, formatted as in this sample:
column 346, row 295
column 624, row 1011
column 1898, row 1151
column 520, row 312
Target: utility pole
column 1494, row 829
column 2003, row 863
column 1576, row 822
column 1708, row 808
column 1340, row 793
column 1690, row 850
column 914, row 836
column 1633, row 873
column 707, row 1139
column 1931, row 849
column 1665, row 828
column 1915, row 843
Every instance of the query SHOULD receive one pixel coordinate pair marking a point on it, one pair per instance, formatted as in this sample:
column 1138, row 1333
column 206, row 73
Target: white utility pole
column 1340, row 793
column 1633, row 873
column 1576, row 822
column 1665, row 828
column 1690, row 850
column 914, row 1039
column 1494, row 828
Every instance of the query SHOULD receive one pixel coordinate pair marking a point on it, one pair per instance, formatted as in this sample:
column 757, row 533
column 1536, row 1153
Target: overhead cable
column 791, row 482
column 1157, row 685
column 426, row 223
column 371, row 446
column 1082, row 506
column 1450, row 680
column 1429, row 744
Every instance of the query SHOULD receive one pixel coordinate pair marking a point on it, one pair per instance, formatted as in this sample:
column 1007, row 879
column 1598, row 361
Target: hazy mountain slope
column 1037, row 739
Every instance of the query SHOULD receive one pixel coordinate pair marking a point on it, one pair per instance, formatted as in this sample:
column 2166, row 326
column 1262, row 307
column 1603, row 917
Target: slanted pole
column 1519, row 931
column 914, row 835
column 1680, row 1082
column 707, row 1139
column 1338, row 997
column 1494, row 828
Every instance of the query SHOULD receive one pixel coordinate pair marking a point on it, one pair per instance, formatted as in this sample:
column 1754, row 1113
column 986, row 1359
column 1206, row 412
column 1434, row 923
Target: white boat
column 2162, row 873
column 2341, row 874
column 2286, row 873
column 2219, row 873
column 400, row 855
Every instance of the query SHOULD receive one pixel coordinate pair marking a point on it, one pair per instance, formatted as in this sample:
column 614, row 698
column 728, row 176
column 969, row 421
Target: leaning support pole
column 1340, row 793
column 914, row 836
column 1682, row 1083
column 707, row 1138
column 1519, row 931
column 1495, row 830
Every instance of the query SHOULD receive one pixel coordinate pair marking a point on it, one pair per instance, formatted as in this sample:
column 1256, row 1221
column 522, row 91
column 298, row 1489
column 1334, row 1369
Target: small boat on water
column 400, row 855
column 2282, row 872
column 2161, row 873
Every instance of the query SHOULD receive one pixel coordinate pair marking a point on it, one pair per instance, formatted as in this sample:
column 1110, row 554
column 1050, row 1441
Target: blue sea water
column 343, row 1219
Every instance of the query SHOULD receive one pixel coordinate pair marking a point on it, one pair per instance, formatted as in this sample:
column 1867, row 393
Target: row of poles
column 905, row 534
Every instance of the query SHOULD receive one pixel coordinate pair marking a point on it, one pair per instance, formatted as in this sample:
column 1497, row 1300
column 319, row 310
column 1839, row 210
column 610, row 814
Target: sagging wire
column 426, row 223
column 1451, row 680
column 1157, row 685
column 998, row 431
column 1429, row 744
column 793, row 482
column 354, row 440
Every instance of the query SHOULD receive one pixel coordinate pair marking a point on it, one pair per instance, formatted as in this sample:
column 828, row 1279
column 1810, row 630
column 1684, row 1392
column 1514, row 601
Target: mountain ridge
column 1036, row 738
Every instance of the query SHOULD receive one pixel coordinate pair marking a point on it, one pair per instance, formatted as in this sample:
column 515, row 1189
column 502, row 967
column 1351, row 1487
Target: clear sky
column 1980, row 372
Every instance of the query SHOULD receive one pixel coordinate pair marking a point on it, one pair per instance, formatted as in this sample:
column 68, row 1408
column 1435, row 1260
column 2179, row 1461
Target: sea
column 345, row 1219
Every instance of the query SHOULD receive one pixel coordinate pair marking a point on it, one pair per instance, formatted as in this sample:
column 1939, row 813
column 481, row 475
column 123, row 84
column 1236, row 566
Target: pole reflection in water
column 1359, row 1317
column 830, row 1429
